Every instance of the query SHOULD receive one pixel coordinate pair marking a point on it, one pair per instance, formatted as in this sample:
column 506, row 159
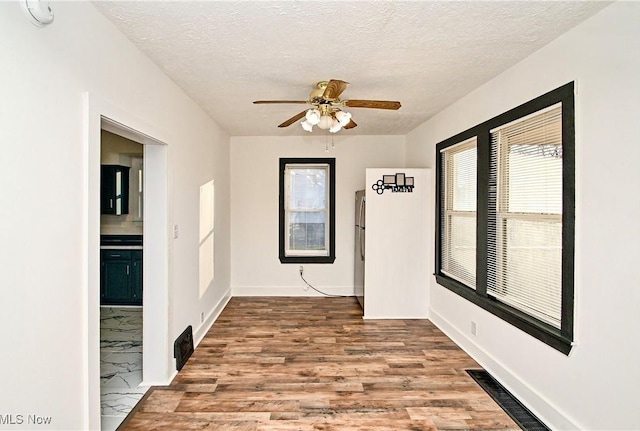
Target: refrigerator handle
column 361, row 231
column 361, row 217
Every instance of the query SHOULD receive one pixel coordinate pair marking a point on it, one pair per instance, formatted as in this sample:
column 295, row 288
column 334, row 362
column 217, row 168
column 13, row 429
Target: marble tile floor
column 120, row 363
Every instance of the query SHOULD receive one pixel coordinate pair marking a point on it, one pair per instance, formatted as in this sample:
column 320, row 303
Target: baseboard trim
column 538, row 404
column 211, row 318
column 369, row 317
column 290, row 291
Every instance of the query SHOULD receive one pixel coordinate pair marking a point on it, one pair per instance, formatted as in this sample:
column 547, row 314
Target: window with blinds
column 505, row 222
column 458, row 220
column 307, row 210
column 525, row 215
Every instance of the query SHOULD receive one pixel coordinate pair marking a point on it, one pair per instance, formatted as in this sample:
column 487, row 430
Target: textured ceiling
column 425, row 54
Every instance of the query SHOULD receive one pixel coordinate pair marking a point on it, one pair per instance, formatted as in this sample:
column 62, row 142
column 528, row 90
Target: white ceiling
column 425, row 54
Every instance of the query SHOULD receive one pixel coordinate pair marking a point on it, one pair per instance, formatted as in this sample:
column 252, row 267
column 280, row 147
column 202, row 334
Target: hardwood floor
column 315, row 364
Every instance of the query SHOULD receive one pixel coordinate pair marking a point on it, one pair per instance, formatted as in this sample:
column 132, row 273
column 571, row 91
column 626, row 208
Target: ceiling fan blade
column 259, row 102
column 334, row 89
column 350, row 125
column 293, row 119
column 376, row 104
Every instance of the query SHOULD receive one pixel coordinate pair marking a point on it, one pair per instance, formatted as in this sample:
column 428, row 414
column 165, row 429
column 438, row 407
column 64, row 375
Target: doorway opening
column 152, row 317
column 121, row 281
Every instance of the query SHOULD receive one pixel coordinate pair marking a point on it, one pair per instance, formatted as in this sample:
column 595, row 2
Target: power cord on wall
column 319, row 291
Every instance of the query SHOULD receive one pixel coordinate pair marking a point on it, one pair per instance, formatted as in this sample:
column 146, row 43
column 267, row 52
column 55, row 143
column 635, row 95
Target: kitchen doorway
column 121, row 282
column 102, row 116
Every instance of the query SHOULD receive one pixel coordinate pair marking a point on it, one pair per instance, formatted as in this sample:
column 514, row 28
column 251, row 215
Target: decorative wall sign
column 396, row 183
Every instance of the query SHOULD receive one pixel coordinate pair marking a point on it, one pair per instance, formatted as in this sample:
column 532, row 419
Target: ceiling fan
column 327, row 107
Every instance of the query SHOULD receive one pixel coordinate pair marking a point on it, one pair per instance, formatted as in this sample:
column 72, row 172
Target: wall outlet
column 474, row 328
column 301, row 269
column 201, row 316
column 175, row 231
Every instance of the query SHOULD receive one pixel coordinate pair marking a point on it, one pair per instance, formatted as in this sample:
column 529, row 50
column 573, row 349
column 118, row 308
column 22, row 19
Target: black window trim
column 332, row 210
column 559, row 339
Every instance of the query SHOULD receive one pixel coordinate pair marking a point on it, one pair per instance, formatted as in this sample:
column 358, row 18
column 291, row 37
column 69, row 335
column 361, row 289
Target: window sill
column 307, row 259
column 546, row 333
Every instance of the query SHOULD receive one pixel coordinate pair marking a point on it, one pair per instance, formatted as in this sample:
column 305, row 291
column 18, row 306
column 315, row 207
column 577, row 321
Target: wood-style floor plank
column 303, row 364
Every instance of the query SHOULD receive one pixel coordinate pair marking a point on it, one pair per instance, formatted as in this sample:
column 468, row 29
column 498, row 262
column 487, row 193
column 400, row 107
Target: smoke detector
column 38, row 12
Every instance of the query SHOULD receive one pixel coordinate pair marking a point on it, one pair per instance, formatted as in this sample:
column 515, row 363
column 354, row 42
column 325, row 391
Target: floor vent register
column 183, row 347
column 519, row 413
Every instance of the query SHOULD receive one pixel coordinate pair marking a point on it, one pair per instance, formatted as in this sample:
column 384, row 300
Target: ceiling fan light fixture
column 326, row 106
column 307, row 126
column 326, row 121
column 313, row 116
column 343, row 117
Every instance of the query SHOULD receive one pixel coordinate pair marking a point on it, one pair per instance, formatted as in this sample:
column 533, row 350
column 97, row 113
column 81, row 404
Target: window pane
column 307, row 210
column 459, row 219
column 463, row 164
column 531, row 277
column 307, row 231
column 307, row 188
column 535, row 179
column 460, row 259
column 525, row 222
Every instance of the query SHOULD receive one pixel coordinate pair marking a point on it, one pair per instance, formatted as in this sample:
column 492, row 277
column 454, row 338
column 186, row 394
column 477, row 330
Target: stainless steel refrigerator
column 358, row 281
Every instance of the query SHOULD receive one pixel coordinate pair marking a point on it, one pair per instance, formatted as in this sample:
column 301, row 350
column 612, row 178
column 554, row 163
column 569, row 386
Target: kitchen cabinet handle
column 110, row 203
column 127, row 269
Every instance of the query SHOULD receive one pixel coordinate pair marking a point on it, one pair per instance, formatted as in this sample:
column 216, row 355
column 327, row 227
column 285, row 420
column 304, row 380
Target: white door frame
column 100, row 114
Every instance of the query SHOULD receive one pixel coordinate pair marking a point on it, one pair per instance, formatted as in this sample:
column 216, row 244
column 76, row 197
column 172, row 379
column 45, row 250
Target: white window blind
column 459, row 216
column 525, row 215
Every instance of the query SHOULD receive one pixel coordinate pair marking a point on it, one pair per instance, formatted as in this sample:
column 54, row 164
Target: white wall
column 396, row 248
column 44, row 73
column 597, row 387
column 256, row 269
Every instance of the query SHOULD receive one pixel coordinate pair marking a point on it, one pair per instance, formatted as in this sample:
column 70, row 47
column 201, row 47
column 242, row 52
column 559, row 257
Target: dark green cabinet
column 114, row 189
column 136, row 277
column 121, row 277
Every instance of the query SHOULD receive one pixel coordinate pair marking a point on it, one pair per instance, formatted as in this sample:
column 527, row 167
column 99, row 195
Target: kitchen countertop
column 120, row 241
